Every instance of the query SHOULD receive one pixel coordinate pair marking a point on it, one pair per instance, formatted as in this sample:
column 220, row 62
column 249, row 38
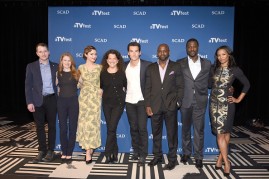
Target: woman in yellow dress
column 89, row 132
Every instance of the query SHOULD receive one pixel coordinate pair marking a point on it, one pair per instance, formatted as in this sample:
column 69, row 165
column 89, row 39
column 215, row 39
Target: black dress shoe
column 49, row 156
column 135, row 156
column 108, row 159
column 114, row 158
column 198, row 163
column 155, row 161
column 39, row 157
column 141, row 161
column 184, row 159
column 169, row 166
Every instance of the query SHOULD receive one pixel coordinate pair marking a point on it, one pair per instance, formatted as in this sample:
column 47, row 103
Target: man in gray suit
column 163, row 96
column 196, row 71
column 41, row 95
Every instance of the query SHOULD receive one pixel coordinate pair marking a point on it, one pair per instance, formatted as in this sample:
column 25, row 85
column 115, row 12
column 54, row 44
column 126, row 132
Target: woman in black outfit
column 113, row 82
column 67, row 104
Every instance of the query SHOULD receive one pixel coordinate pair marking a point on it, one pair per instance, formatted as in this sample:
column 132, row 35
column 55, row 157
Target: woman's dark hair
column 231, row 62
column 105, row 57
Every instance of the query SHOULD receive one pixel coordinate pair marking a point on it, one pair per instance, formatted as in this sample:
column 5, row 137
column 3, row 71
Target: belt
column 49, row 95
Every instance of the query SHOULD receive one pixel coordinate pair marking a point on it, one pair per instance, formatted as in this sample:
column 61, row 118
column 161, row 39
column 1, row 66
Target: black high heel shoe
column 217, row 168
column 68, row 160
column 227, row 174
column 88, row 161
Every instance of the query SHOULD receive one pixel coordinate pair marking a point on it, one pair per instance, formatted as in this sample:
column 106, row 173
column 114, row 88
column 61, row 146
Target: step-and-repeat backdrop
column 73, row 28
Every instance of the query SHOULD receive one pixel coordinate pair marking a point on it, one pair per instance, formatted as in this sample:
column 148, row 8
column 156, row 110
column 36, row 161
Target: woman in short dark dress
column 222, row 102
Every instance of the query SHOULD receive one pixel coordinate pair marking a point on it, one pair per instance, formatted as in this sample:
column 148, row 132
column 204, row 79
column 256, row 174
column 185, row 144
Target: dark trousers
column 68, row 120
column 46, row 112
column 112, row 115
column 138, row 118
column 194, row 115
column 170, row 119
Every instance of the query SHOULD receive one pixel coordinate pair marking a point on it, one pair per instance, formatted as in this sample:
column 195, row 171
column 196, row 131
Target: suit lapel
column 187, row 69
column 202, row 68
column 158, row 77
column 38, row 70
column 168, row 70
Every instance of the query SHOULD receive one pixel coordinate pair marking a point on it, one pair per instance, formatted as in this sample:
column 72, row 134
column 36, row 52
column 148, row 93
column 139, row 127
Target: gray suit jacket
column 34, row 84
column 170, row 91
column 199, row 85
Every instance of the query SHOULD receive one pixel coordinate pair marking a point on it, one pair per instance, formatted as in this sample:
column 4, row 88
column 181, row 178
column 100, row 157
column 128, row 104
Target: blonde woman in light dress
column 88, row 131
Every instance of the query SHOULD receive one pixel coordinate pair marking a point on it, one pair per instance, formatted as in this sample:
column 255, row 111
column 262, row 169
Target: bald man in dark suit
column 163, row 96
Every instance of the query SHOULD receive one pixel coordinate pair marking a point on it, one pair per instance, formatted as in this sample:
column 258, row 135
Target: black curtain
column 25, row 23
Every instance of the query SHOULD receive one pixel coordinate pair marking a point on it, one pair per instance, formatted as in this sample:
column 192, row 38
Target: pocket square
column 171, row 73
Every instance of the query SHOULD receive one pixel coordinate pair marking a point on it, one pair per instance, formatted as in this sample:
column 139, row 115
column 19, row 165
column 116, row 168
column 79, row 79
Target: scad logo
column 62, row 39
column 211, row 149
column 179, row 13
column 217, row 40
column 82, row 25
column 121, row 136
column 139, row 13
column 139, row 40
column 100, row 13
column 158, row 26
column 218, row 12
column 79, row 55
column 63, row 12
column 178, row 40
column 120, row 26
column 198, row 26
column 100, row 40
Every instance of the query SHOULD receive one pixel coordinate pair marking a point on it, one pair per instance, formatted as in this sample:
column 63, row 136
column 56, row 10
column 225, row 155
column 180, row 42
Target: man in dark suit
column 135, row 70
column 196, row 75
column 41, row 94
column 163, row 95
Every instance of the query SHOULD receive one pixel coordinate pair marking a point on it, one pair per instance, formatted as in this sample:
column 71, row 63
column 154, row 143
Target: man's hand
column 149, row 111
column 31, row 107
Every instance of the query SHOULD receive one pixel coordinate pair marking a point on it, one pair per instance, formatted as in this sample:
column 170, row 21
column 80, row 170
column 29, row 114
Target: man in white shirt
column 135, row 70
column 196, row 71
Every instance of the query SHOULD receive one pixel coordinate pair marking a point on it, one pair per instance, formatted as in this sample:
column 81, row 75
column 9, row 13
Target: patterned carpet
column 249, row 155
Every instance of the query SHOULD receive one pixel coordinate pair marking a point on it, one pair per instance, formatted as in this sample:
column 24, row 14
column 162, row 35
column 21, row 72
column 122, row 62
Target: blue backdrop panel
column 73, row 28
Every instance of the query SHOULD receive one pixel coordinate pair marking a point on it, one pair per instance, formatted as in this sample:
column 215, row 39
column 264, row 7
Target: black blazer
column 34, row 84
column 170, row 91
column 143, row 68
